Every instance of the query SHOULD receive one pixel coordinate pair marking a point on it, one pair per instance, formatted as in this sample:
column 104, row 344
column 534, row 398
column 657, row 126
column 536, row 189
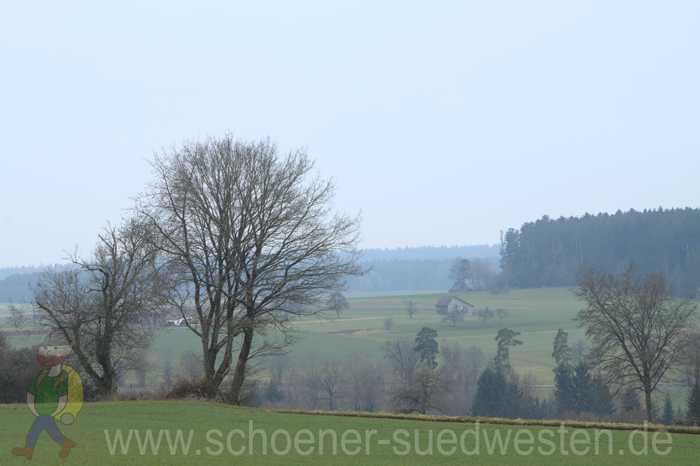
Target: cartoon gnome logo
column 54, row 397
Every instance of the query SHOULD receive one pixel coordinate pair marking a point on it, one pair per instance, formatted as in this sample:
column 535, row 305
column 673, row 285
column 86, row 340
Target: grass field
column 537, row 314
column 388, row 441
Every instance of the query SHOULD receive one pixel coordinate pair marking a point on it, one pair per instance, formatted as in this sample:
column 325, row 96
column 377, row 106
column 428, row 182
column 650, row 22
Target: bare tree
column 411, row 308
column 337, row 302
column 16, row 319
column 331, row 382
column 366, row 383
column 388, row 324
column 307, row 384
column 402, row 358
column 690, row 359
column 422, row 394
column 254, row 240
column 635, row 327
column 414, row 385
column 460, row 369
column 485, row 314
column 98, row 306
column 455, row 315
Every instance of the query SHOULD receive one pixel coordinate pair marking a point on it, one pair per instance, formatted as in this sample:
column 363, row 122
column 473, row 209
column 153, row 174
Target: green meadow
column 360, row 330
column 185, row 433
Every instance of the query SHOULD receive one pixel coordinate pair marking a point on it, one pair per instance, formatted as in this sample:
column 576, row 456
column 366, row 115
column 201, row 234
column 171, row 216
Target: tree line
column 554, row 252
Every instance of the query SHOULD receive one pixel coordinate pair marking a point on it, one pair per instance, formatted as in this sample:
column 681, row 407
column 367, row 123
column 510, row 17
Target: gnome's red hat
column 49, row 356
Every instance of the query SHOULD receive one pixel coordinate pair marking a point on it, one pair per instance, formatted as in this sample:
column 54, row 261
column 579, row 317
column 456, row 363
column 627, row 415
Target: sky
column 439, row 122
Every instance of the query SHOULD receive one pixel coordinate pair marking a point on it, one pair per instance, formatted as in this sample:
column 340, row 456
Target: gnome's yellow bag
column 75, row 397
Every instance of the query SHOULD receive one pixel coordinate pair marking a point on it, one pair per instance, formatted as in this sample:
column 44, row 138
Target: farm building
column 450, row 304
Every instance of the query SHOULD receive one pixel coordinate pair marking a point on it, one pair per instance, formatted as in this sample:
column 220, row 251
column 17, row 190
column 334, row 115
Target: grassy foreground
column 388, row 441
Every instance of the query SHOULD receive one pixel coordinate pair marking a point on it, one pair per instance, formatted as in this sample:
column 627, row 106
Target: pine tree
column 561, row 351
column 505, row 339
column 603, row 403
column 583, row 389
column 693, row 414
column 491, row 389
column 630, row 400
column 564, row 392
column 668, row 411
column 427, row 346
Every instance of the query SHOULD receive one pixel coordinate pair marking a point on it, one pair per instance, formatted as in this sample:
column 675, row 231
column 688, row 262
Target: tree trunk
column 649, row 405
column 106, row 386
column 239, row 371
column 210, row 383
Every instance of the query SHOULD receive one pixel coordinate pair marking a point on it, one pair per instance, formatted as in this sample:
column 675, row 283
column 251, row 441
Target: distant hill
column 401, row 269
column 431, row 253
column 415, row 269
column 16, row 283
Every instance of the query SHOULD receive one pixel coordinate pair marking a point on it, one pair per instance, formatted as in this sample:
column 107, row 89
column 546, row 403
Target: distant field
column 536, row 313
column 381, row 441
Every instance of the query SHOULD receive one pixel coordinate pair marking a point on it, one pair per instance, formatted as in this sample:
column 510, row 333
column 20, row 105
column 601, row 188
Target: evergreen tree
column 499, row 394
column 564, row 393
column 583, row 388
column 491, row 390
column 427, row 346
column 505, row 339
column 693, row 414
column 630, row 400
column 668, row 411
column 552, row 252
column 561, row 351
column 461, row 275
column 603, row 403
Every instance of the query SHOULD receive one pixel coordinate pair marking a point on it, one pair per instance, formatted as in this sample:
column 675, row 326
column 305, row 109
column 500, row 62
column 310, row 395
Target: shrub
column 186, row 388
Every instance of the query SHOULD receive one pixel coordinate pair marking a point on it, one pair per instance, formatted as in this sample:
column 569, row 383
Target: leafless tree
column 485, row 314
column 454, row 316
column 332, row 383
column 402, row 358
column 690, row 359
column 415, row 385
column 366, row 384
column 337, row 302
column 460, row 369
column 388, row 324
column 16, row 319
column 254, row 240
column 411, row 308
column 98, row 306
column 422, row 394
column 306, row 382
column 482, row 273
column 635, row 327
column 191, row 366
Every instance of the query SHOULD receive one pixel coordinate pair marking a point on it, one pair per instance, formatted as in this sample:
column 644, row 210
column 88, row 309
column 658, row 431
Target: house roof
column 445, row 301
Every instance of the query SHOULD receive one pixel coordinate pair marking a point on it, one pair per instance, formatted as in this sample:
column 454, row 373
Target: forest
column 554, row 252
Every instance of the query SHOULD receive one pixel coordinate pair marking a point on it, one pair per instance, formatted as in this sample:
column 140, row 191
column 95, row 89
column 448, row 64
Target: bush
column 186, row 388
column 388, row 324
column 17, row 370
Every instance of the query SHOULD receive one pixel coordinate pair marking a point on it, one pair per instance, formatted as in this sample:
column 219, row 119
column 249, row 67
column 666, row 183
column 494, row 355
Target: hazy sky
column 441, row 122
